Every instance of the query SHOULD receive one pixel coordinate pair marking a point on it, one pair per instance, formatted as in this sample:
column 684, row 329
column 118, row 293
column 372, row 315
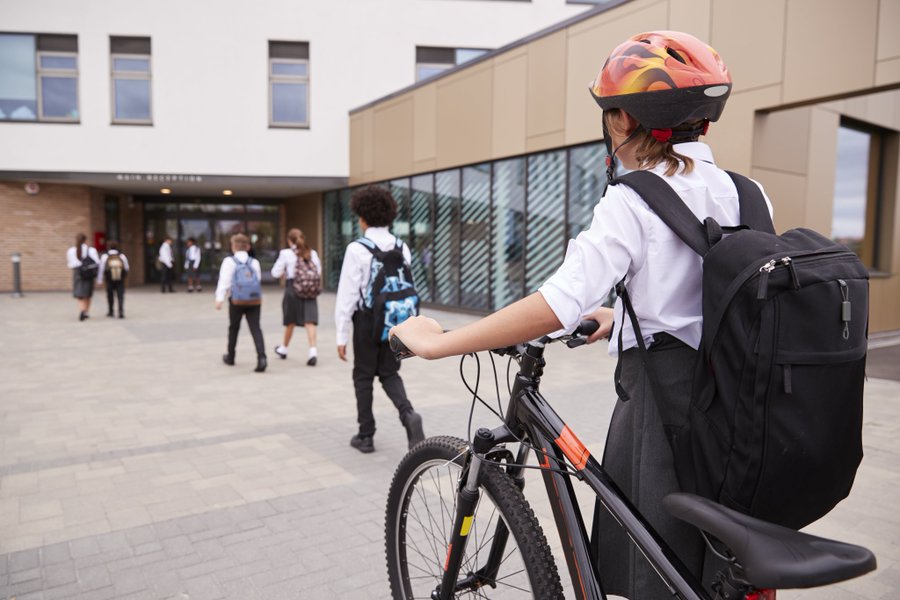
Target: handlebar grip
column 399, row 348
column 587, row 328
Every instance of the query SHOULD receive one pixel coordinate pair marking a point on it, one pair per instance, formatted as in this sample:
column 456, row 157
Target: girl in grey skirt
column 656, row 131
column 82, row 289
column 296, row 310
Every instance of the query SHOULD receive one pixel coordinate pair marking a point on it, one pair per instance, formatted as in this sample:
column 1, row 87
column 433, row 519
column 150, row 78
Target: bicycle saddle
column 773, row 556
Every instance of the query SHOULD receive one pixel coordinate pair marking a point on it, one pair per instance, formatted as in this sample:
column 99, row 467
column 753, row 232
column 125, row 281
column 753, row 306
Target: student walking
column 376, row 210
column 656, row 131
column 84, row 262
column 113, row 270
column 302, row 270
column 192, row 265
column 167, row 264
column 239, row 281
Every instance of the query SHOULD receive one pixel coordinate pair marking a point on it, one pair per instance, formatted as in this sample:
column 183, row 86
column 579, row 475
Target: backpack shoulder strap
column 369, row 245
column 754, row 212
column 669, row 207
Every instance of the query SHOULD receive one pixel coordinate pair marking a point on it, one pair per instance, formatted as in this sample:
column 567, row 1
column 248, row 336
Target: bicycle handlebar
column 578, row 337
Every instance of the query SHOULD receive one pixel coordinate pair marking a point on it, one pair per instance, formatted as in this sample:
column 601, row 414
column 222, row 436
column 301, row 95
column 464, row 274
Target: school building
column 138, row 121
column 499, row 162
column 132, row 120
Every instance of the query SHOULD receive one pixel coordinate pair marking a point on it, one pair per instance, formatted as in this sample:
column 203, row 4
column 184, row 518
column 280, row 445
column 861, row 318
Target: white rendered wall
column 210, row 84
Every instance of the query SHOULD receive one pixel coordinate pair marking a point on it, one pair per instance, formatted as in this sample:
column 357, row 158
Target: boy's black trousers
column 235, row 312
column 372, row 358
column 115, row 289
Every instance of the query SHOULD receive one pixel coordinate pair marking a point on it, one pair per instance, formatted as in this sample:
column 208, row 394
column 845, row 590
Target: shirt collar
column 241, row 255
column 375, row 232
column 696, row 150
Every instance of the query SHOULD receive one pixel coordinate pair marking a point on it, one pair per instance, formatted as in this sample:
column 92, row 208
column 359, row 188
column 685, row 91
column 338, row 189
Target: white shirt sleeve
column 71, row 260
column 279, row 266
column 596, row 260
column 125, row 261
column 102, row 269
column 314, row 256
column 226, row 273
column 257, row 268
column 348, row 292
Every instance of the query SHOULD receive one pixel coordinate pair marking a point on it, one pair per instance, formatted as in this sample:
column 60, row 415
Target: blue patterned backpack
column 390, row 294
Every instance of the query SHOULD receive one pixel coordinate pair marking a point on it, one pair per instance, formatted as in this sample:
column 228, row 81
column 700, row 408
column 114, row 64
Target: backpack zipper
column 770, row 266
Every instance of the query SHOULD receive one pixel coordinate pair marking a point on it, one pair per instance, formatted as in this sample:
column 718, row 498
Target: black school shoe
column 280, row 355
column 363, row 444
column 413, row 425
column 228, row 359
column 311, row 362
column 261, row 365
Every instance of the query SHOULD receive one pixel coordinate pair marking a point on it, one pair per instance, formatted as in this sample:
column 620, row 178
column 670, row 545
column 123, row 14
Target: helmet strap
column 611, row 154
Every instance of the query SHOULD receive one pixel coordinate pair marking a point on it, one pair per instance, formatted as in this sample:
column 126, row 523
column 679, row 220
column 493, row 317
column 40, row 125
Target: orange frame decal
column 572, row 447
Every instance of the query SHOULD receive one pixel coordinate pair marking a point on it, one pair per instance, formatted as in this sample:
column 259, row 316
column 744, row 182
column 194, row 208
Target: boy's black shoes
column 83, row 316
column 413, row 424
column 121, row 315
column 110, row 314
column 312, row 361
column 280, row 354
column 228, row 359
column 261, row 365
column 363, row 444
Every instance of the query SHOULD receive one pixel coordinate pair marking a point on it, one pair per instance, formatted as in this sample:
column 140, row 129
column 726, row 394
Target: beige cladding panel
column 393, row 124
column 829, row 49
column 546, row 102
column 888, row 40
column 691, row 16
column 424, row 123
column 787, row 192
column 732, row 136
column 510, row 76
column 357, row 143
column 588, row 48
column 822, row 157
column 464, row 125
column 782, row 140
column 887, row 72
column 749, row 36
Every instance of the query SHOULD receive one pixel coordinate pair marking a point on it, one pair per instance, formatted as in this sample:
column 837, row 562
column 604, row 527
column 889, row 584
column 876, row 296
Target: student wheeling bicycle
column 659, row 91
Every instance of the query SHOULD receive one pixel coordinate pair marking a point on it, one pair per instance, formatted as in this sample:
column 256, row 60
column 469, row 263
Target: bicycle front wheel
column 420, row 512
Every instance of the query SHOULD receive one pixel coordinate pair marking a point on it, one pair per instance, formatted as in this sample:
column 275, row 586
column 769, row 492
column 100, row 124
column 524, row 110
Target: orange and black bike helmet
column 663, row 79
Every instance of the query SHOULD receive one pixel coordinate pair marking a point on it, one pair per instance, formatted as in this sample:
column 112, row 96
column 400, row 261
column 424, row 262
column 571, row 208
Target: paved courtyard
column 134, row 465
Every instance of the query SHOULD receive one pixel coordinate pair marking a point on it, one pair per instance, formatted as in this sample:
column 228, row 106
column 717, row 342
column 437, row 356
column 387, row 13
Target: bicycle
column 458, row 525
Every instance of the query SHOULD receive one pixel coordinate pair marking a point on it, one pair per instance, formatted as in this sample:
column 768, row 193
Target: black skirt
column 81, row 288
column 298, row 311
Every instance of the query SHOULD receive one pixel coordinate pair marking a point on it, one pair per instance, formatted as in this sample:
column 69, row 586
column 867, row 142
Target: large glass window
column 587, row 184
column 38, row 77
column 288, row 84
column 130, row 74
column 546, row 230
column 856, row 190
column 508, row 232
column 430, row 60
column 475, row 238
column 421, row 240
column 447, row 231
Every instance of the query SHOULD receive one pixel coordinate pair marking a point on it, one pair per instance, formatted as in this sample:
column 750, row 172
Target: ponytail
column 80, row 239
column 298, row 241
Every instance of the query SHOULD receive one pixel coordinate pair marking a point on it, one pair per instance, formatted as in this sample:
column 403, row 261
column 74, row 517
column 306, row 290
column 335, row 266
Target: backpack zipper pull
column 845, row 308
column 764, row 279
column 789, row 263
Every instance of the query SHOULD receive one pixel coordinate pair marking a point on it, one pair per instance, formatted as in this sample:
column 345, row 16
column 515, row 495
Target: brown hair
column 240, row 242
column 80, row 239
column 650, row 152
column 298, row 240
column 112, row 244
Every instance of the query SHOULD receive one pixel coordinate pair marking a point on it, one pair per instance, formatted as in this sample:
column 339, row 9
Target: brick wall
column 42, row 228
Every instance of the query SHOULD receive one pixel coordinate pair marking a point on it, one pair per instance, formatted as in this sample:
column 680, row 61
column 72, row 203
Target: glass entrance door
column 201, row 230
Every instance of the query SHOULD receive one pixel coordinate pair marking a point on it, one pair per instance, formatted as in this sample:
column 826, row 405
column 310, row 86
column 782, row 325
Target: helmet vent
column 675, row 55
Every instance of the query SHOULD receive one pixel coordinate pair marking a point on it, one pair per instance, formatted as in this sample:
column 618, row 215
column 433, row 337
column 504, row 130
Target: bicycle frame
column 530, row 417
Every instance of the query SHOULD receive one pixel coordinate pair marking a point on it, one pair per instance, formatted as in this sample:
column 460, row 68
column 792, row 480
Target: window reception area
column 211, row 225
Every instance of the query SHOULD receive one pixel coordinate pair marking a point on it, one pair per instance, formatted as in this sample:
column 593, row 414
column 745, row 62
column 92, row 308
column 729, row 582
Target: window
column 857, row 190
column 130, row 63
column 288, row 84
column 38, row 77
column 431, row 61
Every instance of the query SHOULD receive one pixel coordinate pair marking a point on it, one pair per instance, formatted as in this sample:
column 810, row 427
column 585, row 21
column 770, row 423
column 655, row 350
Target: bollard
column 17, row 275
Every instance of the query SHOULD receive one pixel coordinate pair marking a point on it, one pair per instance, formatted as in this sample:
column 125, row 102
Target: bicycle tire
column 436, row 464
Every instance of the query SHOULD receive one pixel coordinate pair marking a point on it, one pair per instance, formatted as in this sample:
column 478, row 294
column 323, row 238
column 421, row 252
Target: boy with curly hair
column 376, row 210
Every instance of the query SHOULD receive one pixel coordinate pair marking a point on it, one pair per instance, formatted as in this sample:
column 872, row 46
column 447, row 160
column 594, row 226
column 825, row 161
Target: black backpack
column 88, row 269
column 390, row 295
column 775, row 421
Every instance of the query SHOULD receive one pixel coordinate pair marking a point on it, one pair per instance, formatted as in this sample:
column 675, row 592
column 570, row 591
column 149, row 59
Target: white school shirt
column 627, row 238
column 192, row 257
column 165, row 255
column 286, row 264
column 226, row 273
column 72, row 258
column 355, row 277
column 103, row 259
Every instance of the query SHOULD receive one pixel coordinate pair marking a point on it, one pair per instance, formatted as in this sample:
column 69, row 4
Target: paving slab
column 134, row 464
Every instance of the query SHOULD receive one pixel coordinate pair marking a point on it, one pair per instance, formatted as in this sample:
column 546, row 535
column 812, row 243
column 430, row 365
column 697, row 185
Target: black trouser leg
column 389, row 375
column 253, row 313
column 110, row 289
column 234, row 324
column 164, row 278
column 365, row 365
column 120, row 292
